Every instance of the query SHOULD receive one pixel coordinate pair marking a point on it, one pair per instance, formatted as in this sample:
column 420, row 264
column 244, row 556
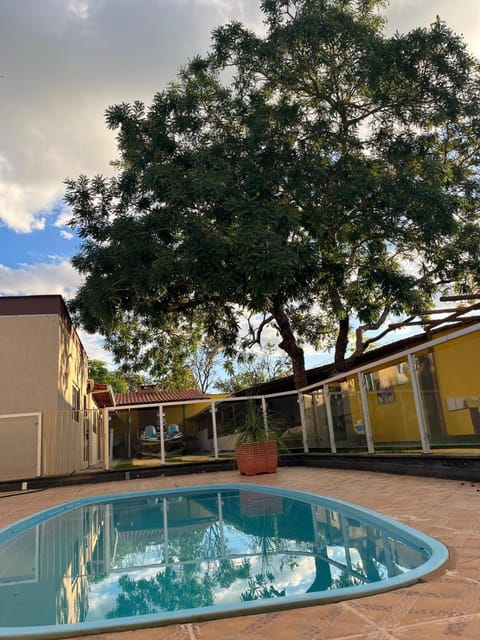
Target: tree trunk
column 341, row 344
column 290, row 346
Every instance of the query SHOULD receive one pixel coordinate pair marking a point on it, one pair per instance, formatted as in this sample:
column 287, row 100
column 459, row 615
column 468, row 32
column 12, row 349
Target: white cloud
column 66, row 234
column 93, row 344
column 63, row 217
column 63, row 63
column 18, row 204
column 39, row 279
column 48, row 279
column 79, row 9
column 463, row 16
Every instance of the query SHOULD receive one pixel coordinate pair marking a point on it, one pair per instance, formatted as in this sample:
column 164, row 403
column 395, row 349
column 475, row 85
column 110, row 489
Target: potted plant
column 256, row 449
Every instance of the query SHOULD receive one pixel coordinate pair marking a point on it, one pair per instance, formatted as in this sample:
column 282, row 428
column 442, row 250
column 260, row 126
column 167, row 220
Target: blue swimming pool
column 142, row 559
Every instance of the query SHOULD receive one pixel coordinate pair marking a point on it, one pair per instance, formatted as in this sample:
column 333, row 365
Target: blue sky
column 62, row 62
column 53, row 243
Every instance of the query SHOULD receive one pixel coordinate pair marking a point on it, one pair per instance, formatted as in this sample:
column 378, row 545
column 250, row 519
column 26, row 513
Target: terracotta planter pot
column 257, row 457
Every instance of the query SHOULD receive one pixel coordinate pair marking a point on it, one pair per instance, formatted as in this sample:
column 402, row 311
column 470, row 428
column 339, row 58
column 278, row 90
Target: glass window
column 76, row 402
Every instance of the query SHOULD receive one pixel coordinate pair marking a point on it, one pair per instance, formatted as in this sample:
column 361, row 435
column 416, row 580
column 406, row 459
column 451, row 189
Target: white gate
column 20, row 450
column 50, row 443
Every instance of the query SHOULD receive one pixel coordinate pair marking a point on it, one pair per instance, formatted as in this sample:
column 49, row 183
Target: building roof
column 103, row 395
column 33, row 305
column 157, row 396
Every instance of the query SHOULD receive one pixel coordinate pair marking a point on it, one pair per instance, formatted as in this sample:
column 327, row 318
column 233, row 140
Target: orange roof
column 103, row 395
column 156, row 396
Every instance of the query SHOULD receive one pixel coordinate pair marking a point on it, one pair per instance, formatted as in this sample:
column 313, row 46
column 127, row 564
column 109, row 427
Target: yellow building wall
column 458, row 372
column 391, row 404
column 72, row 367
column 180, row 415
column 352, row 388
column 41, row 358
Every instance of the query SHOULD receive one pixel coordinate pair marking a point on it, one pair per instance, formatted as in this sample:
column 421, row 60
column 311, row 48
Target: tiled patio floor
column 445, row 605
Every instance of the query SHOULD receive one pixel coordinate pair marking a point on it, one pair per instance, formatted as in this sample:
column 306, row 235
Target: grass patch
column 125, row 463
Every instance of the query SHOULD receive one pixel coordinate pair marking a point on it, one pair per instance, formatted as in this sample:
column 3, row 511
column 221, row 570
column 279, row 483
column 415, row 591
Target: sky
column 62, row 63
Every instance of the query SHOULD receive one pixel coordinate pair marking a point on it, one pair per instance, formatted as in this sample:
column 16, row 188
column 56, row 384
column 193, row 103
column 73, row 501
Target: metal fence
column 407, row 401
column 51, row 443
column 72, row 441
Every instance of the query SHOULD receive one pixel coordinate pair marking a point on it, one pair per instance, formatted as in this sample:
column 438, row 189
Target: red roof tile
column 156, row 396
column 102, row 394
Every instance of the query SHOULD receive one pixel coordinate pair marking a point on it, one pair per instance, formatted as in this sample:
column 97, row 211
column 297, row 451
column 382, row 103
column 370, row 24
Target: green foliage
column 255, row 426
column 328, row 179
column 250, row 369
column 98, row 371
column 125, row 463
column 162, row 354
column 203, row 363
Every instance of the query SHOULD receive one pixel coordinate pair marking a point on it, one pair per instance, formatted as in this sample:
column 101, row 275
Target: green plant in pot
column 256, row 446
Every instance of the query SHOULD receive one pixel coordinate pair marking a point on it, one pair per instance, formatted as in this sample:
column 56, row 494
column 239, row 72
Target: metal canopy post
column 264, row 412
column 328, row 410
column 39, row 444
column 162, row 434
column 301, row 405
column 366, row 414
column 106, row 438
column 417, row 397
column 214, row 429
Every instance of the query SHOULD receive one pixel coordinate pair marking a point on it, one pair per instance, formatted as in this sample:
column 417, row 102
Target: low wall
column 448, row 467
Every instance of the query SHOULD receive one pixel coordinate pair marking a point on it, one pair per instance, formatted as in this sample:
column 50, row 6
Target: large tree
column 204, row 363
column 319, row 177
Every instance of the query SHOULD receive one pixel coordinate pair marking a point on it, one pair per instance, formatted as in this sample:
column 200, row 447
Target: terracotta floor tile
column 465, row 627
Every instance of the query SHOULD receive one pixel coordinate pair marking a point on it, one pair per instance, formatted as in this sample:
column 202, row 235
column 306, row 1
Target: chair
column 150, row 431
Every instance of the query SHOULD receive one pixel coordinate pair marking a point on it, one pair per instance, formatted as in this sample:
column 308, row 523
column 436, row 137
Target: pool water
column 132, row 560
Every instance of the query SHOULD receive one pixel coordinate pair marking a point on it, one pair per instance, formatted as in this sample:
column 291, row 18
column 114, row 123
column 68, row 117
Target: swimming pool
column 142, row 559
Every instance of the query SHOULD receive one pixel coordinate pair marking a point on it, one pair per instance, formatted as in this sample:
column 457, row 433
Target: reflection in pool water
column 211, row 549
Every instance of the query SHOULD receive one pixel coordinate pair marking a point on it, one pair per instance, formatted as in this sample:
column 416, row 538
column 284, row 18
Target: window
column 76, row 402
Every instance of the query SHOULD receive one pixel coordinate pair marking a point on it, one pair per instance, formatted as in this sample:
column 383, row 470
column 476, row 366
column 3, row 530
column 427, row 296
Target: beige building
column 47, row 422
column 43, row 365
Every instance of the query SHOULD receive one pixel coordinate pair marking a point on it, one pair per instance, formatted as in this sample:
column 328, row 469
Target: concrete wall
column 40, row 360
column 29, row 351
column 43, row 369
